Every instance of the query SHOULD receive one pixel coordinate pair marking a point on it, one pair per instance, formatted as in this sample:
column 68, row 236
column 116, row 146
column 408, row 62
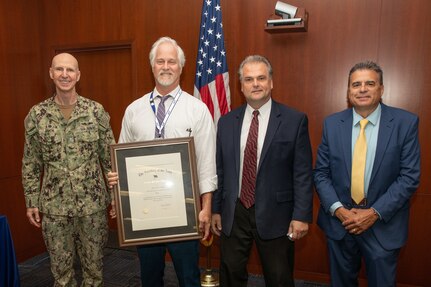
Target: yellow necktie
column 358, row 164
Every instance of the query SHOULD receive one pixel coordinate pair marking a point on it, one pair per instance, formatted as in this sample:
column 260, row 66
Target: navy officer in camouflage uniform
column 67, row 140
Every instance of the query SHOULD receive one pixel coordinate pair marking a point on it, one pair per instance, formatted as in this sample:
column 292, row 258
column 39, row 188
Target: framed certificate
column 157, row 195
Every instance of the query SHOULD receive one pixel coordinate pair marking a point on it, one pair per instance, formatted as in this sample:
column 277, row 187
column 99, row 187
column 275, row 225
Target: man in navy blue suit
column 276, row 208
column 376, row 227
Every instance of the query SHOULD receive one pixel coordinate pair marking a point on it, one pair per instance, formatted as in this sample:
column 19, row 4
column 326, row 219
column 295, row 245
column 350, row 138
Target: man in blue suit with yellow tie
column 367, row 169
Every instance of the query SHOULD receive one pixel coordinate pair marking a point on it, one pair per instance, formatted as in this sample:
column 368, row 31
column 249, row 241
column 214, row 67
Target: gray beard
column 166, row 82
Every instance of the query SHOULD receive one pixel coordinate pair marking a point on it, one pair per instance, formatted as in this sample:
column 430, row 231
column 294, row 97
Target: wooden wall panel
column 20, row 78
column 310, row 74
column 404, row 53
column 21, row 84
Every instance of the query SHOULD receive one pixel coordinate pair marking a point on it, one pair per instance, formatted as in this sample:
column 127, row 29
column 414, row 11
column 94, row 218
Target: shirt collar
column 264, row 110
column 171, row 93
column 373, row 118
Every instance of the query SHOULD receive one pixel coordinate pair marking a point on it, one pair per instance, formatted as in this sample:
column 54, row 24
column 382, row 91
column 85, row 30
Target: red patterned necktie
column 248, row 183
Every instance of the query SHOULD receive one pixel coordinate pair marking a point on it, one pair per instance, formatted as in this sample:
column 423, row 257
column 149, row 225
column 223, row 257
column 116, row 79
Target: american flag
column 212, row 77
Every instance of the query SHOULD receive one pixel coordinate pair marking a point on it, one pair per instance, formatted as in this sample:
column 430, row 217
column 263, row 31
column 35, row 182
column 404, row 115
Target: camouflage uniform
column 73, row 156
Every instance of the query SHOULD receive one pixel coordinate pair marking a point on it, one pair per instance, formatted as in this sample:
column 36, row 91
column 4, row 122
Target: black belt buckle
column 363, row 203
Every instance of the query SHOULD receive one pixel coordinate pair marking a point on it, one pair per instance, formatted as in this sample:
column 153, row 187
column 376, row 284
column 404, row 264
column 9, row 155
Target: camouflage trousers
column 85, row 236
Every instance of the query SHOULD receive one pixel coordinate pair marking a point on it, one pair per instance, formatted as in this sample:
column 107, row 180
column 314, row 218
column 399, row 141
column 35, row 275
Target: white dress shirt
column 189, row 117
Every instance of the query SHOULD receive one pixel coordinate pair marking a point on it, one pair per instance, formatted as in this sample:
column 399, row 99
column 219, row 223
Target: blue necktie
column 161, row 116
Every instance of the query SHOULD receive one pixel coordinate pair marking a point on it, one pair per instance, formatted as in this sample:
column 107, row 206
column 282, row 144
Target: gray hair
column 180, row 52
column 367, row 65
column 254, row 59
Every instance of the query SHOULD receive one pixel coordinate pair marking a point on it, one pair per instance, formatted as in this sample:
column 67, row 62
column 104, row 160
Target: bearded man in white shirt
column 184, row 116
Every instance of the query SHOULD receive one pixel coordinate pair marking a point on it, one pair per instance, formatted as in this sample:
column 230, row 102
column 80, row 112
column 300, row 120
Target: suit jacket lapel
column 385, row 131
column 273, row 124
column 237, row 125
column 346, row 139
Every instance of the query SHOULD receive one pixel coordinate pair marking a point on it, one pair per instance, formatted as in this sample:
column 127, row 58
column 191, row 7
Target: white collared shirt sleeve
column 205, row 139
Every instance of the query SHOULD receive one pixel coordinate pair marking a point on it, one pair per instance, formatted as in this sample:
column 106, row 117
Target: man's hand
column 112, row 179
column 360, row 221
column 344, row 214
column 205, row 215
column 216, row 224
column 33, row 216
column 113, row 211
column 298, row 229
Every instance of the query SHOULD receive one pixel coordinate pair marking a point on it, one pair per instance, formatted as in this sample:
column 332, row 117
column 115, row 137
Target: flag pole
column 209, row 278
column 212, row 87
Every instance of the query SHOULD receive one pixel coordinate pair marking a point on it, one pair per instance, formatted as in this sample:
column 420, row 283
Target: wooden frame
column 157, row 194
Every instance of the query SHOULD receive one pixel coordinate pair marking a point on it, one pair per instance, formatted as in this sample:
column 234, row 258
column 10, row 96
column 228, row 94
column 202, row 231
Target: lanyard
column 161, row 126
